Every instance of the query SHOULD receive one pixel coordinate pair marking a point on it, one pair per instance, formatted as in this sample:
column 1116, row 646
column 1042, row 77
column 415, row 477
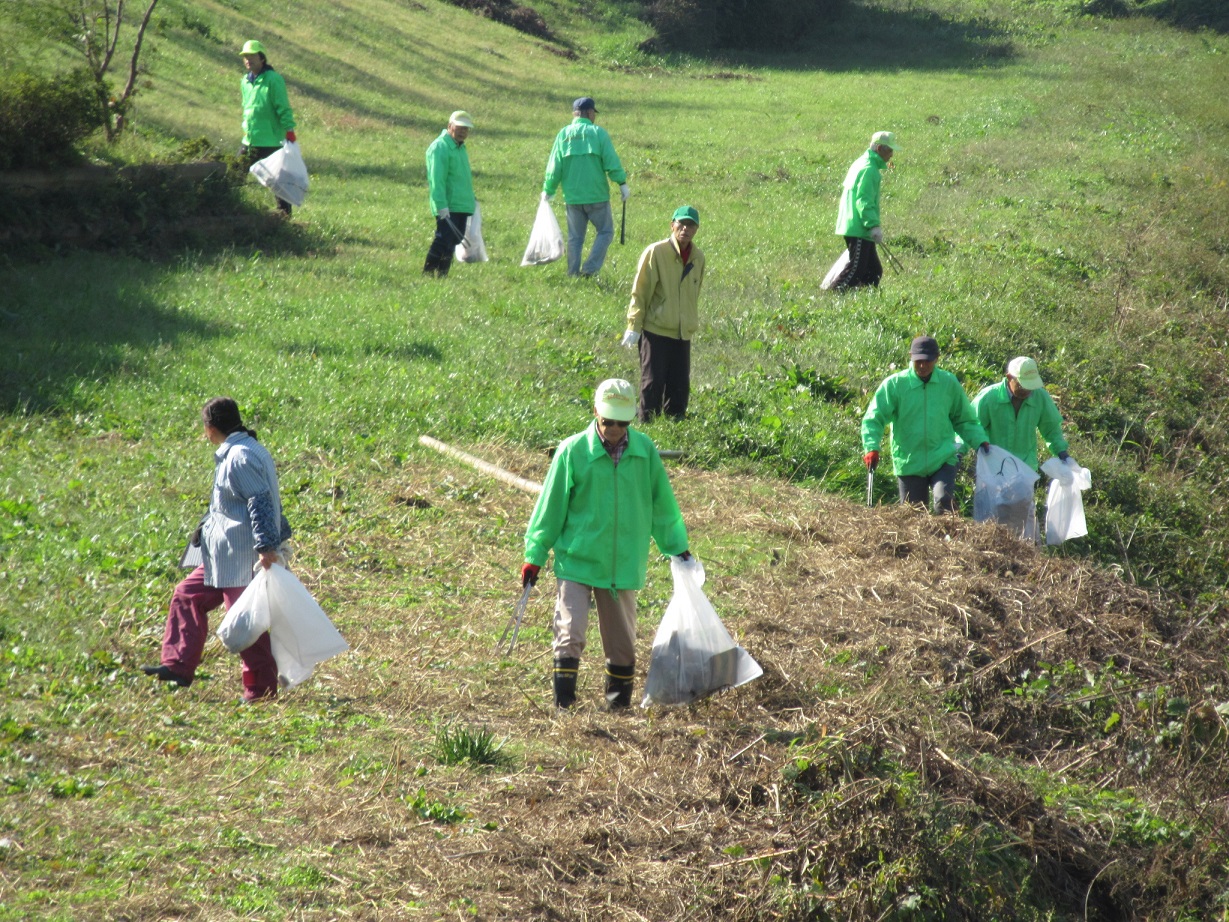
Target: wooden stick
column 529, row 486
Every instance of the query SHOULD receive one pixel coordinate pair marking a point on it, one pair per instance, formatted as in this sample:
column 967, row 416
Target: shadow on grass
column 871, row 37
column 69, row 322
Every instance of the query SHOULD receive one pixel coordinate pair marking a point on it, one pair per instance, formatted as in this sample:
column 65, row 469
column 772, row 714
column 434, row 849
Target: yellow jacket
column 666, row 293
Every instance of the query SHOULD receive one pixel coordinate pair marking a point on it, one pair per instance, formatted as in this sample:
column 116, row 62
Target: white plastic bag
column 248, row 618
column 837, row 268
column 693, row 654
column 545, row 240
column 283, row 172
column 301, row 633
column 471, row 249
column 1004, row 490
column 1065, row 505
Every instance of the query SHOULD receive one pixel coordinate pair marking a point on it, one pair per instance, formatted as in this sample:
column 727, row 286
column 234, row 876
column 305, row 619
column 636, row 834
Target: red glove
column 529, row 574
column 290, row 136
column 871, row 460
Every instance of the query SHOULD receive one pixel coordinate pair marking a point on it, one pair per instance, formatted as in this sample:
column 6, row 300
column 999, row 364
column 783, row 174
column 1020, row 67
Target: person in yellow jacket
column 664, row 315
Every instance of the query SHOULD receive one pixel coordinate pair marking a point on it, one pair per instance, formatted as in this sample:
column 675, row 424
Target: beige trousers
column 616, row 620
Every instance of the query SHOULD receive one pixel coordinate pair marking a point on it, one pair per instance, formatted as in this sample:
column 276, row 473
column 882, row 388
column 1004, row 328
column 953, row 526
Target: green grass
column 1062, row 192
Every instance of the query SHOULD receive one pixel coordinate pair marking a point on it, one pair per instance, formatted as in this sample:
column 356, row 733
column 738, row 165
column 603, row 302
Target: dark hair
column 223, row 414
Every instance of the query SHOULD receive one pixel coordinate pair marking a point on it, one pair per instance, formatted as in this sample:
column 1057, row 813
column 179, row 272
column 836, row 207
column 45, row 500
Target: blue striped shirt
column 245, row 512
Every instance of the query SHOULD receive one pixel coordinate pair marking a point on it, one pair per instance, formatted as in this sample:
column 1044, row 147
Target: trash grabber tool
column 892, row 259
column 514, row 623
column 623, row 225
column 870, row 487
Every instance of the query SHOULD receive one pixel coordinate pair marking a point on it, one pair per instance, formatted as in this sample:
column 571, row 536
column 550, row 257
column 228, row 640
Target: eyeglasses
column 620, row 423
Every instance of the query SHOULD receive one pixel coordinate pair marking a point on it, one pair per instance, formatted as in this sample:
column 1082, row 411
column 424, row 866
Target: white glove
column 545, row 197
column 630, row 338
column 445, row 213
column 626, row 191
column 877, row 234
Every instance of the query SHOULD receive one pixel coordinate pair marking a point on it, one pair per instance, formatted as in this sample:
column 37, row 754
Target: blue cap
column 585, row 102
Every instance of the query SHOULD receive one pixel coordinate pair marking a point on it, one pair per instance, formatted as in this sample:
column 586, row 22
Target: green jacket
column 1017, row 432
column 925, row 417
column 666, row 293
column 859, row 210
column 266, row 109
column 598, row 516
column 581, row 159
column 450, row 183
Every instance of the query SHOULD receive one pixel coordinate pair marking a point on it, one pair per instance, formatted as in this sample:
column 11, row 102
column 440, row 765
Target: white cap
column 615, row 399
column 1024, row 370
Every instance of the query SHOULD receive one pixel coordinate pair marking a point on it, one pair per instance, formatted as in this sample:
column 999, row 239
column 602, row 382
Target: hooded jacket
column 925, row 417
column 859, row 209
column 666, row 292
column 1017, row 432
column 450, row 183
column 599, row 516
column 266, row 109
column 582, row 158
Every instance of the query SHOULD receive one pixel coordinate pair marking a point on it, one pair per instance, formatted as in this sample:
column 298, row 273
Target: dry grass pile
column 942, row 713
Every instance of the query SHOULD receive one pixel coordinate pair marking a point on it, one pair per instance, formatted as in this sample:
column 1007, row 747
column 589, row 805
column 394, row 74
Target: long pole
column 529, row 486
column 623, row 225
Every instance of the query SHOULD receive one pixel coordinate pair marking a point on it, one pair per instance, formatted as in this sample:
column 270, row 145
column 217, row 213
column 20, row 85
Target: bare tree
column 95, row 31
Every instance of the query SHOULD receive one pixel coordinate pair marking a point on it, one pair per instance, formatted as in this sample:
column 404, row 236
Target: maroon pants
column 187, row 629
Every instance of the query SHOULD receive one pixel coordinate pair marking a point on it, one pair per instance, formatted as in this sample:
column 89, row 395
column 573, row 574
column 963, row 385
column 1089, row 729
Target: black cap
column 924, row 348
column 585, row 102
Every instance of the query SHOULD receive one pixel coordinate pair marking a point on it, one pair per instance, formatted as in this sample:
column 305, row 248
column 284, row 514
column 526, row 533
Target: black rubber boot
column 566, row 670
column 619, row 681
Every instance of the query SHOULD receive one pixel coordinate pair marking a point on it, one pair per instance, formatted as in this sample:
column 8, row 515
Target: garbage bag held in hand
column 471, row 249
column 545, row 240
column 1065, row 505
column 284, row 173
column 693, row 654
column 1002, row 480
column 837, row 268
column 301, row 634
column 248, row 618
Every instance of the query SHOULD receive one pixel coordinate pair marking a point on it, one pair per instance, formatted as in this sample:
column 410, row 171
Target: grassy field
column 1061, row 192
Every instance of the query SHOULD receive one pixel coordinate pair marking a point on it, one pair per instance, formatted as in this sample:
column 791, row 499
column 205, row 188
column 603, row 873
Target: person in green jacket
column 267, row 118
column 582, row 160
column 605, row 495
column 857, row 219
column 926, row 407
column 664, row 315
column 1012, row 412
column 450, row 185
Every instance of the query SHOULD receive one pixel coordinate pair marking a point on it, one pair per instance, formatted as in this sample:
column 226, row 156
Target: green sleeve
column 965, row 418
column 866, row 197
column 880, row 412
column 437, row 177
column 281, row 105
column 1050, row 425
column 669, row 532
column 610, row 161
column 554, row 170
column 546, row 523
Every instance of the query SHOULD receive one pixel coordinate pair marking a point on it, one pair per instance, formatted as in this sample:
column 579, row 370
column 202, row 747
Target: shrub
column 42, row 118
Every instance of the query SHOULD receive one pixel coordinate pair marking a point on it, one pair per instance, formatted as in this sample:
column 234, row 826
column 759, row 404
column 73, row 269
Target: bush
column 42, row 118
column 703, row 25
